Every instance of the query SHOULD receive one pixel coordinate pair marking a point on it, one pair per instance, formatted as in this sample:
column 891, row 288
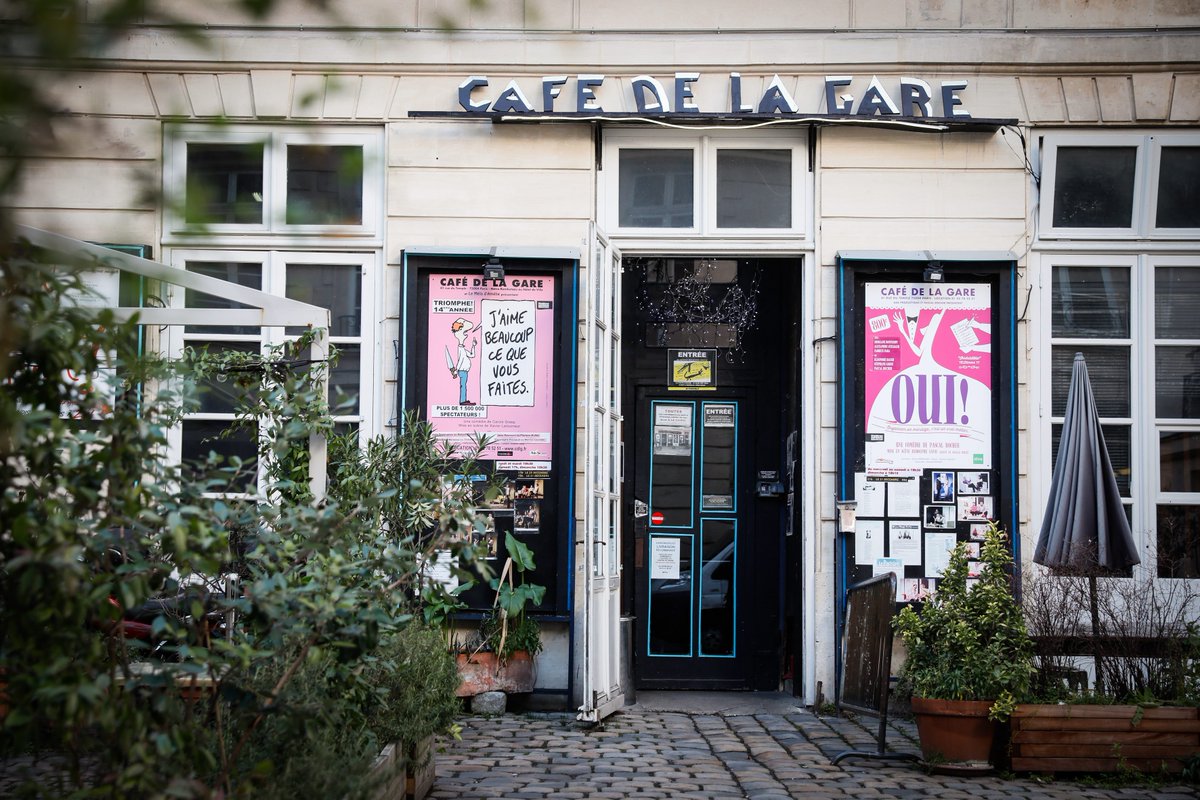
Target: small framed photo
column 975, row 509
column 528, row 515
column 940, row 517
column 974, row 483
column 978, row 531
column 941, row 487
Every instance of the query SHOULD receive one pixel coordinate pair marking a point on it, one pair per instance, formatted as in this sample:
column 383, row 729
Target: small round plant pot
column 955, row 733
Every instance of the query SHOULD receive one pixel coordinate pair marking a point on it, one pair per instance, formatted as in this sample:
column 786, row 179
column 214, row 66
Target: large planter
column 484, row 672
column 420, row 770
column 389, row 771
column 955, row 732
column 1092, row 738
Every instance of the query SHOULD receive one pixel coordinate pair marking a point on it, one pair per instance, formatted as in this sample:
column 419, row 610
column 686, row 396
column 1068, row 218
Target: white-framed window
column 1135, row 320
column 1119, row 258
column 249, row 180
column 725, row 184
column 1120, row 186
column 342, row 282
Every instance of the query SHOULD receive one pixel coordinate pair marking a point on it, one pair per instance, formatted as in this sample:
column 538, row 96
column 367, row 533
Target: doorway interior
column 711, row 365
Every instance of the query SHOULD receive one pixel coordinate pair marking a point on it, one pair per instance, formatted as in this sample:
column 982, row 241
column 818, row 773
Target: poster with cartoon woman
column 928, row 377
column 490, row 362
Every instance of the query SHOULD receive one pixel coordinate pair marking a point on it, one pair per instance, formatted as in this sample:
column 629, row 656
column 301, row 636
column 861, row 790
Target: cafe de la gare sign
column 903, row 97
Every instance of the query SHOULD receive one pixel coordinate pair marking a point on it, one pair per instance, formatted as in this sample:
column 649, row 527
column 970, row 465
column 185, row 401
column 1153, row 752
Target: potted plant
column 969, row 655
column 501, row 655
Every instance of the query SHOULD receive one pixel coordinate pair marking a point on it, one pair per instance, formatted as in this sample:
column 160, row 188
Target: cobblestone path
column 639, row 753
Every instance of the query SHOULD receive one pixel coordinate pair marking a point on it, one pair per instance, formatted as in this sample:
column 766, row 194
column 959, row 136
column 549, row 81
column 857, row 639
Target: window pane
column 221, row 395
column 1108, row 370
column 655, row 189
column 1116, row 439
column 337, row 287
column 1177, row 382
column 1179, row 541
column 614, row 514
column 224, row 184
column 1093, row 187
column 1179, row 461
column 344, row 380
column 754, row 188
column 718, row 489
column 717, row 587
column 675, row 334
column 200, row 437
column 671, row 602
column 1179, row 188
column 598, row 337
column 598, row 556
column 671, row 467
column 614, row 468
column 324, row 184
column 249, row 275
column 614, row 364
column 1177, row 302
column 1091, row 302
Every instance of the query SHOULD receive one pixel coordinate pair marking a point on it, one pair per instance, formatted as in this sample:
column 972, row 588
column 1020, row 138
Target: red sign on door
column 656, row 518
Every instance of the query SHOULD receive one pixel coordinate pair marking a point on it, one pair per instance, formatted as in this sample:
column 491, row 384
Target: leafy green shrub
column 323, row 586
column 413, row 678
column 969, row 642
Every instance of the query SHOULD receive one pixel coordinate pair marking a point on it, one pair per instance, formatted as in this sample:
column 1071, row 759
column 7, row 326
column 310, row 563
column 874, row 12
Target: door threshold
column 725, row 704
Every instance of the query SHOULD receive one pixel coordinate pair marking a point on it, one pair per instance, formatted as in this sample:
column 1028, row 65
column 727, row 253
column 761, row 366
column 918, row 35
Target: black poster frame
column 853, row 275
column 552, row 548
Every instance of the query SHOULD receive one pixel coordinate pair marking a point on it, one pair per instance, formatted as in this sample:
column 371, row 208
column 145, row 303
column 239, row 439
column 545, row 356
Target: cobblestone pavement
column 643, row 753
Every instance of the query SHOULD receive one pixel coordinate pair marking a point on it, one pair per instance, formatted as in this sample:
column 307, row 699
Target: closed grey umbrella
column 1085, row 530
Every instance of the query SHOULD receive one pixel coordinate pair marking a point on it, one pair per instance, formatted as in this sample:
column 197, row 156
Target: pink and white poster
column 928, row 375
column 491, row 364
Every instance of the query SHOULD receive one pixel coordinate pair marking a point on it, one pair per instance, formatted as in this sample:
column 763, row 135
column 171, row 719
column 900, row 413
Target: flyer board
column 490, row 365
column 928, row 453
column 927, row 377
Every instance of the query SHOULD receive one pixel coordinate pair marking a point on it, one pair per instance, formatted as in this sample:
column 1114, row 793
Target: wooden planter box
column 389, row 768
column 404, row 778
column 420, row 770
column 1086, row 738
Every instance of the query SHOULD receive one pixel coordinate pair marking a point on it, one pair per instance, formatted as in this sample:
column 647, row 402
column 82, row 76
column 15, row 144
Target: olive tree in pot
column 969, row 656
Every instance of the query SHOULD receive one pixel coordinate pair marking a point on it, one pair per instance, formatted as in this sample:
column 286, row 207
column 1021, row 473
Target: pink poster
column 491, row 365
column 928, row 375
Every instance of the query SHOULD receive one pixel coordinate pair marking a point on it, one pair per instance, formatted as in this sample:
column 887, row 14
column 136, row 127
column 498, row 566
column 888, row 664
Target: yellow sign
column 692, row 369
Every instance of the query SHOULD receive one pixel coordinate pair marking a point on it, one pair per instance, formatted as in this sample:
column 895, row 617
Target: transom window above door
column 246, row 180
column 710, row 185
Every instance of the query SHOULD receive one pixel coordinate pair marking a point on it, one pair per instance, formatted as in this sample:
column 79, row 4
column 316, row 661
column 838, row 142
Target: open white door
column 602, row 692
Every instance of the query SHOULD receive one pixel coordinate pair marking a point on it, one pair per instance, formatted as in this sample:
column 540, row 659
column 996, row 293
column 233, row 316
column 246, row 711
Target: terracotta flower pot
column 483, row 672
column 956, row 732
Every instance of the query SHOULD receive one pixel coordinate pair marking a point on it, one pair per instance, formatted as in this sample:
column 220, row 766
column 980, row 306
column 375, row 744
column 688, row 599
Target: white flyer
column 938, row 547
column 664, row 558
column 869, row 496
column 904, row 498
column 904, row 541
column 868, row 542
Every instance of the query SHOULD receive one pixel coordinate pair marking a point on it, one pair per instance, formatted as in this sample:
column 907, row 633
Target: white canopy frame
column 267, row 310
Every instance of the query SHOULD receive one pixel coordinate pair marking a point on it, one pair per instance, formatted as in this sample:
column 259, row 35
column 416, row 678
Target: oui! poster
column 491, row 365
column 928, row 376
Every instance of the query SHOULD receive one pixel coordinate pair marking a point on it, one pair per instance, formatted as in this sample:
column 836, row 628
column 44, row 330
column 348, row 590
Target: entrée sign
column 912, row 97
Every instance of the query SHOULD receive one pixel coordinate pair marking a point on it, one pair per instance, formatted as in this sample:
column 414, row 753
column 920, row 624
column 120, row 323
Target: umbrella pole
column 1096, row 645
